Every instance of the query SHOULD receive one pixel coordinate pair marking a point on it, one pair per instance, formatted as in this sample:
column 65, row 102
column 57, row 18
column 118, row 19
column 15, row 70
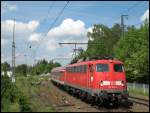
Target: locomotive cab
column 108, row 79
column 111, row 76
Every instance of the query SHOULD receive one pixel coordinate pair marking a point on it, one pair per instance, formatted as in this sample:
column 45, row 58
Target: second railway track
column 139, row 100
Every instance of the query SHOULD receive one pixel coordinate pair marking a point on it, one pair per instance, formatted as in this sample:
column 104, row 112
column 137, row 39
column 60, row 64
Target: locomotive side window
column 71, row 69
column 118, row 68
column 67, row 69
column 84, row 68
column 74, row 69
column 102, row 68
column 78, row 69
column 81, row 69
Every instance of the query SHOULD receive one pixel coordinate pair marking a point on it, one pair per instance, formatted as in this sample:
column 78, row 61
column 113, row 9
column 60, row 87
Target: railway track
column 88, row 106
column 142, row 101
column 73, row 103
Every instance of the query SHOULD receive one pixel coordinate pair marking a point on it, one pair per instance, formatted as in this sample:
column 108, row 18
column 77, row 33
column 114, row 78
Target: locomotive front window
column 102, row 68
column 118, row 68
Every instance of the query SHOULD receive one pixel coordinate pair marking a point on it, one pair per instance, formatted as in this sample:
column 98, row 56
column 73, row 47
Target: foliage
column 44, row 67
column 5, row 66
column 41, row 67
column 12, row 97
column 132, row 49
column 21, row 70
column 106, row 37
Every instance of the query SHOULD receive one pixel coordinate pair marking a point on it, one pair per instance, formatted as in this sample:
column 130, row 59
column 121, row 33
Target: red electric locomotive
column 99, row 81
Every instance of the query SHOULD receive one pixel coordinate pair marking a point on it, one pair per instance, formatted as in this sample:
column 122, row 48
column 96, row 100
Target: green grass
column 15, row 107
column 138, row 91
column 30, row 87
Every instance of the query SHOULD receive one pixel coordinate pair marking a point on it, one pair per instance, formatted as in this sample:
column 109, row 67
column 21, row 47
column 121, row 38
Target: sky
column 36, row 38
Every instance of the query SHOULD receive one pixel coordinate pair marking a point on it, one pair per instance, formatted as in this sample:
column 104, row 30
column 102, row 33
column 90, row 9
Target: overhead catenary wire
column 26, row 43
column 52, row 25
column 127, row 10
column 49, row 11
column 58, row 16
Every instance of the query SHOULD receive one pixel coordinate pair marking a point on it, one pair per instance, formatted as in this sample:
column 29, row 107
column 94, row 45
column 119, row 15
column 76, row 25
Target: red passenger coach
column 58, row 75
column 99, row 80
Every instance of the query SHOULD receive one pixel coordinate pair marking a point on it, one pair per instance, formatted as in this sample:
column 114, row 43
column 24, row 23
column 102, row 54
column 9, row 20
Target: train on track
column 101, row 81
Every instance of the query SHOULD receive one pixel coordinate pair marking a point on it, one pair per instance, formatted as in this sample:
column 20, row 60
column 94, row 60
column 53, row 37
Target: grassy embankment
column 138, row 92
column 30, row 86
column 25, row 95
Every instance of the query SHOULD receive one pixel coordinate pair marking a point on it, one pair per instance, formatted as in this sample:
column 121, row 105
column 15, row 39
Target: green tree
column 133, row 50
column 43, row 66
column 21, row 70
column 5, row 66
column 106, row 37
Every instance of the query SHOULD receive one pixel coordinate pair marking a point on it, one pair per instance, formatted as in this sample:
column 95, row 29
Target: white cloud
column 52, row 45
column 22, row 34
column 12, row 7
column 6, row 58
column 90, row 30
column 68, row 31
column 18, row 55
column 145, row 15
column 3, row 42
column 7, row 7
column 21, row 29
column 35, row 37
column 32, row 25
column 68, row 27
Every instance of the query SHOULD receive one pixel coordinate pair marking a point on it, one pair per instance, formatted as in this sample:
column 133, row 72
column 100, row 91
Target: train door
column 91, row 76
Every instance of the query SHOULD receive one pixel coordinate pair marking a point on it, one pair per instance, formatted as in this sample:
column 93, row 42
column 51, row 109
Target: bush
column 24, row 104
column 12, row 98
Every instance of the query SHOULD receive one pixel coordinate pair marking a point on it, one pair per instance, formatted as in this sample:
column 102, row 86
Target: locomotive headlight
column 101, row 83
column 106, row 83
column 92, row 78
column 122, row 83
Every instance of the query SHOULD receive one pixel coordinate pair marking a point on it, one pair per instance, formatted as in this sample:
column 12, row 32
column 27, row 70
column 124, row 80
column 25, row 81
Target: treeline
column 132, row 48
column 13, row 99
column 41, row 67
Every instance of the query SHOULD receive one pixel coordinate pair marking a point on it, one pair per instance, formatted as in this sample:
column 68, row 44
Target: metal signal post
column 122, row 23
column 13, row 54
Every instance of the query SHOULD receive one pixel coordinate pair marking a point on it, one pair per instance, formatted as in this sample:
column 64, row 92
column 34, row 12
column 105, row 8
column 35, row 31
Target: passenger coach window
column 118, row 68
column 102, row 68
